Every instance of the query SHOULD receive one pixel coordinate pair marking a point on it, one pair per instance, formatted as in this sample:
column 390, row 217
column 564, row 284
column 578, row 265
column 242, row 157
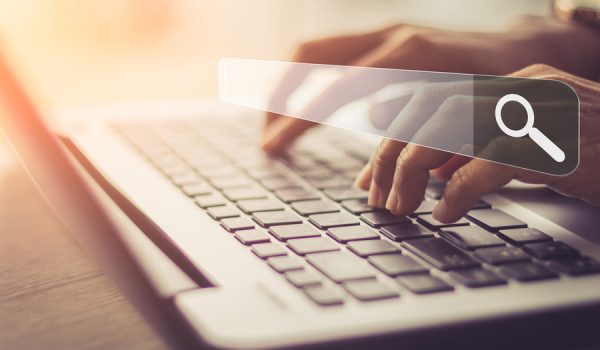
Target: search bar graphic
column 488, row 117
column 536, row 135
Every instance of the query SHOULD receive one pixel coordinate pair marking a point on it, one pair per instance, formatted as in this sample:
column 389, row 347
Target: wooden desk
column 52, row 296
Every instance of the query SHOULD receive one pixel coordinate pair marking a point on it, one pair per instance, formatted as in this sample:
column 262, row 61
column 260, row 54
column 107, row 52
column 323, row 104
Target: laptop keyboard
column 301, row 215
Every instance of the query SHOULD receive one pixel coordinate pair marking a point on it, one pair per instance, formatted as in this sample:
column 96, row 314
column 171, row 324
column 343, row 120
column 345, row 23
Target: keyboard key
column 272, row 218
column 358, row 151
column 217, row 171
column 477, row 277
column 383, row 218
column 323, row 296
column 424, row 283
column 481, row 204
column 284, row 263
column 236, row 194
column 175, row 169
column 267, row 250
column 471, row 237
column 403, row 232
column 501, row 255
column 368, row 290
column 237, row 224
column 331, row 182
column 347, row 163
column 340, row 266
column 252, row 160
column 527, row 271
column 396, row 264
column 342, row 194
column 435, row 189
column 550, row 250
column 198, row 189
column 187, row 179
column 317, row 174
column 576, row 266
column 440, row 253
column 349, row 175
column 524, row 235
column 320, row 206
column 285, row 232
column 433, row 224
column 352, row 233
column 303, row 278
column 231, row 181
column 358, row 206
column 302, row 164
column 223, row 212
column 303, row 246
column 277, row 183
column 325, row 221
column 264, row 173
column 372, row 247
column 249, row 237
column 295, row 195
column 426, row 207
column 212, row 200
column 250, row 206
column 494, row 219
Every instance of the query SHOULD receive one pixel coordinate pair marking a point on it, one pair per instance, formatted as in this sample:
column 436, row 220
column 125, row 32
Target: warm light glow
column 94, row 51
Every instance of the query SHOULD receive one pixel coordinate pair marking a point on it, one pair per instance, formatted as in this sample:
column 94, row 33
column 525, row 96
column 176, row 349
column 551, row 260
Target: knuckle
column 539, row 68
column 424, row 93
column 403, row 161
column 379, row 161
column 410, row 36
column 460, row 180
column 417, row 40
column 457, row 103
column 501, row 147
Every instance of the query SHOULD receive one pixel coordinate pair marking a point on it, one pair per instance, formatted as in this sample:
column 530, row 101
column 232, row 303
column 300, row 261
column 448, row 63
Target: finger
column 283, row 132
column 466, row 186
column 338, row 50
column 382, row 114
column 291, row 80
column 411, row 174
column 269, row 118
column 382, row 171
column 363, row 179
column 446, row 171
column 353, row 85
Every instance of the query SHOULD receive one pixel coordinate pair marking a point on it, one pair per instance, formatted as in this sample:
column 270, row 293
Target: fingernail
column 361, row 180
column 376, row 198
column 393, row 202
column 441, row 211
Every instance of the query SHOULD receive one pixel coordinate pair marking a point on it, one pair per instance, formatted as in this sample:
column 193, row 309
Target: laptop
column 225, row 247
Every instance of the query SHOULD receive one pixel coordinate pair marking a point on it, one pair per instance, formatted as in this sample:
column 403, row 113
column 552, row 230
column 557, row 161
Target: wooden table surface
column 52, row 296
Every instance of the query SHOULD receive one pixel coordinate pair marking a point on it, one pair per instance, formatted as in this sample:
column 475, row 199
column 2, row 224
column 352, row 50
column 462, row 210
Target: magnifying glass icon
column 534, row 133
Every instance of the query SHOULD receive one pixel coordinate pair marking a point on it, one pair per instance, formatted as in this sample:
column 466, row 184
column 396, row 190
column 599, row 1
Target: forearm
column 569, row 47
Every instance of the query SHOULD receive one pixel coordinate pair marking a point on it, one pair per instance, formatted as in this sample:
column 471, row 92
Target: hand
column 532, row 40
column 397, row 174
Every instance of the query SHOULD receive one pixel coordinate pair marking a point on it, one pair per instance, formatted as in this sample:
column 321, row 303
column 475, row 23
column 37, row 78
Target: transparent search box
column 526, row 123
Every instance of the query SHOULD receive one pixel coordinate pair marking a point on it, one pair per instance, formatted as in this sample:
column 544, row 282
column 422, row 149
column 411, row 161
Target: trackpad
column 573, row 214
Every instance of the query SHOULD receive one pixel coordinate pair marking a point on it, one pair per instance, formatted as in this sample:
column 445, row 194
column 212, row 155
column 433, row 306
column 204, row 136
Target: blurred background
column 79, row 52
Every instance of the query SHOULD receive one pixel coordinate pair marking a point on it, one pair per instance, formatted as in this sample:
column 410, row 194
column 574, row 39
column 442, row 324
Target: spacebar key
column 440, row 253
column 340, row 267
